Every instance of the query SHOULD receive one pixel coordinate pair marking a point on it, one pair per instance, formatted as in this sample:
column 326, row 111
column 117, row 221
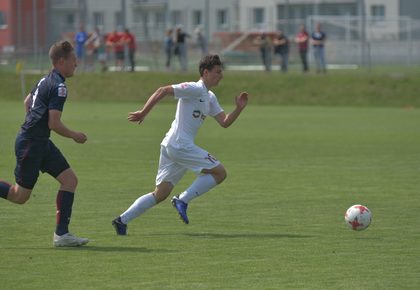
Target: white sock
column 201, row 185
column 138, row 207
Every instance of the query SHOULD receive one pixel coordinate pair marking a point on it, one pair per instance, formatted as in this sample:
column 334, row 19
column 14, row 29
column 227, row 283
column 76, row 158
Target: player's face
column 214, row 76
column 69, row 65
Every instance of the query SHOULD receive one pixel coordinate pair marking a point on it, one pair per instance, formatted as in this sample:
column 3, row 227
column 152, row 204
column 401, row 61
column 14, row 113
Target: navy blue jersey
column 319, row 35
column 49, row 94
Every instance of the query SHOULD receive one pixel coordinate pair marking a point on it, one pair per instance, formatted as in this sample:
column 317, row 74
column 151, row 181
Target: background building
column 23, row 25
column 359, row 31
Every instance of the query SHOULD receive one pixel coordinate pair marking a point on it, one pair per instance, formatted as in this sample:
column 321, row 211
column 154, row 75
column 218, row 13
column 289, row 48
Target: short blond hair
column 60, row 49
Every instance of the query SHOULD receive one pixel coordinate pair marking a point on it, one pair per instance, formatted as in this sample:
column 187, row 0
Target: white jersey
column 195, row 103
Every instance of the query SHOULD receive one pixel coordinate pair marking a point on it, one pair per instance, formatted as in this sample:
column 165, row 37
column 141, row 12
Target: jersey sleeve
column 187, row 90
column 215, row 107
column 58, row 97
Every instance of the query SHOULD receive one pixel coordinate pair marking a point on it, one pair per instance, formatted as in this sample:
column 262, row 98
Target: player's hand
column 241, row 100
column 80, row 137
column 137, row 116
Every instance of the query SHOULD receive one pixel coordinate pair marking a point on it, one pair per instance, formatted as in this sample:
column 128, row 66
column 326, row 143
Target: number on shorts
column 211, row 158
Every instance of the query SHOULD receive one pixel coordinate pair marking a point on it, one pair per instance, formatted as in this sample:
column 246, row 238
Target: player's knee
column 18, row 196
column 21, row 199
column 224, row 176
column 220, row 175
column 70, row 183
column 160, row 196
column 162, row 191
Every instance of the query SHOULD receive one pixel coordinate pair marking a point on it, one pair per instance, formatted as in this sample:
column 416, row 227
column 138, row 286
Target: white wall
column 383, row 29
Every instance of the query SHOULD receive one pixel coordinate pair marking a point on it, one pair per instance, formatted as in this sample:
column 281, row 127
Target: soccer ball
column 358, row 217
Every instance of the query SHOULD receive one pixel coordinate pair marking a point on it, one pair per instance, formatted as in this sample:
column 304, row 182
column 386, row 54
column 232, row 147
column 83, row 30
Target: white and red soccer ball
column 358, row 217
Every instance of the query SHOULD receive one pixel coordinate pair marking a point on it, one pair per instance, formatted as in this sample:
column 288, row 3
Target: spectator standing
column 181, row 48
column 80, row 39
column 265, row 46
column 302, row 40
column 92, row 44
column 168, row 45
column 114, row 40
column 102, row 53
column 281, row 47
column 130, row 40
column 201, row 42
column 318, row 44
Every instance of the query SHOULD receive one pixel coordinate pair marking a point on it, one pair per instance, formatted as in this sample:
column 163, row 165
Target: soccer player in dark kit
column 36, row 152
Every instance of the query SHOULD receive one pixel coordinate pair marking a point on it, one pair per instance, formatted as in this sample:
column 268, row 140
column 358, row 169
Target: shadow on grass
column 116, row 249
column 246, row 236
column 119, row 249
column 88, row 248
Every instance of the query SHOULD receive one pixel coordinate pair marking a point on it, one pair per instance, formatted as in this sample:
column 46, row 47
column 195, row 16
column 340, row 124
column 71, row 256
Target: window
column 337, row 9
column 118, row 19
column 70, row 19
column 197, row 18
column 301, row 11
column 258, row 16
column 3, row 23
column 377, row 11
column 160, row 18
column 222, row 19
column 137, row 16
column 98, row 19
column 176, row 17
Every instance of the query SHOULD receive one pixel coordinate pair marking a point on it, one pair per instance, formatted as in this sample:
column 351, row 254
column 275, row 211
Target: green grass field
column 277, row 222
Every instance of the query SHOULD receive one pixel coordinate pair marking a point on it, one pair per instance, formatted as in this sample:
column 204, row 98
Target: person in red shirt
column 115, row 40
column 130, row 40
column 302, row 39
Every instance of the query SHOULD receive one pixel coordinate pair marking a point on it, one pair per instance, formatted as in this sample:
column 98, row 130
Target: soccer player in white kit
column 178, row 152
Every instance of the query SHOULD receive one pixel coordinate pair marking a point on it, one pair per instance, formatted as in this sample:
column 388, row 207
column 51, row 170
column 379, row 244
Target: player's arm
column 158, row 95
column 225, row 120
column 27, row 102
column 55, row 124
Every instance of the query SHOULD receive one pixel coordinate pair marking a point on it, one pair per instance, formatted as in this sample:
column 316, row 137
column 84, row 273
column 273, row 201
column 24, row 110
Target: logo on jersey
column 62, row 91
column 196, row 114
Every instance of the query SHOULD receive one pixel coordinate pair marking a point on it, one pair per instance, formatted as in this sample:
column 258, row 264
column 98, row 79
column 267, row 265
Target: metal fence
column 351, row 40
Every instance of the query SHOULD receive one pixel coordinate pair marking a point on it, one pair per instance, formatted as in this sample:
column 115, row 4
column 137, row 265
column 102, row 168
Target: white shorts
column 174, row 163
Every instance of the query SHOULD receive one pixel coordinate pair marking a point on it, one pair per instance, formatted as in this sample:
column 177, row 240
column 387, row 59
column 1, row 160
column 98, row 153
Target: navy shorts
column 34, row 155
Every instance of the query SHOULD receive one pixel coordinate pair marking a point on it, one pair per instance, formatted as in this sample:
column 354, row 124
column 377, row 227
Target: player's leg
column 14, row 193
column 57, row 166
column 28, row 161
column 147, row 201
column 4, row 189
column 169, row 174
column 64, row 200
column 64, row 203
column 209, row 170
column 208, row 179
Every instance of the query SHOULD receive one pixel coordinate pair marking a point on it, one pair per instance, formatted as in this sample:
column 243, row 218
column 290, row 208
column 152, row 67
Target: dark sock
column 4, row 189
column 64, row 206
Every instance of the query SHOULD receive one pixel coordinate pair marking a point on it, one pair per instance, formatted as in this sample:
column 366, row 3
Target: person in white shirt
column 178, row 151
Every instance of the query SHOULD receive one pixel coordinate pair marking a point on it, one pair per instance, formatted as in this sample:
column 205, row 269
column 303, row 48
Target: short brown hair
column 60, row 49
column 208, row 62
